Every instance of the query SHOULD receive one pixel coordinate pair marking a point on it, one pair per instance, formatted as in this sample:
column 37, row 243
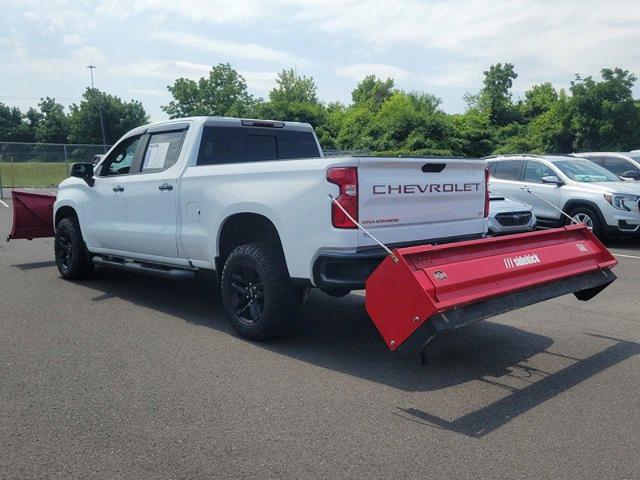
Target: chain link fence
column 40, row 165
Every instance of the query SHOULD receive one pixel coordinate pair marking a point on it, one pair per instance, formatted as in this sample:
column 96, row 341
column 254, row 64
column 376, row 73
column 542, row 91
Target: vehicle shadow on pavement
column 624, row 243
column 337, row 334
column 485, row 420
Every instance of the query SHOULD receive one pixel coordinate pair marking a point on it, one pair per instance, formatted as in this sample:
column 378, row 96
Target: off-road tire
column 257, row 272
column 72, row 258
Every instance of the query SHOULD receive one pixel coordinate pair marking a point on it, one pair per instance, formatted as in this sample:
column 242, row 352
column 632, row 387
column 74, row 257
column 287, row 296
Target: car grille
column 513, row 219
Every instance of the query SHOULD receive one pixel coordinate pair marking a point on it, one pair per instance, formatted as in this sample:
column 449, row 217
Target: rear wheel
column 257, row 293
column 72, row 257
column 589, row 217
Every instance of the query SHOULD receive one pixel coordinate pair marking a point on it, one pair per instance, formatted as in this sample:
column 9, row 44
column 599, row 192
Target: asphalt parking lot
column 125, row 376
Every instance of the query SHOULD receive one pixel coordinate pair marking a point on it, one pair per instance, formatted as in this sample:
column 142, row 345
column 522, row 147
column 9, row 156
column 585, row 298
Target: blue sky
column 437, row 46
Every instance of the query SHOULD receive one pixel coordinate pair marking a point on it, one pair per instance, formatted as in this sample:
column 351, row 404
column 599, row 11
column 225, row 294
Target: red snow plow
column 428, row 289
column 32, row 215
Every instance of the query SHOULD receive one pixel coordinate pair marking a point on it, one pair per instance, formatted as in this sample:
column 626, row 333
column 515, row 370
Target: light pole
column 104, row 137
column 91, row 67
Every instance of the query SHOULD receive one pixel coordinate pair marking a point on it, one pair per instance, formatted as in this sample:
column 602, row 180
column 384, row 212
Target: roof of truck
column 233, row 122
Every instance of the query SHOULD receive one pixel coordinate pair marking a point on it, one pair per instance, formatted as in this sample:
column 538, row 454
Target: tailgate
column 409, row 199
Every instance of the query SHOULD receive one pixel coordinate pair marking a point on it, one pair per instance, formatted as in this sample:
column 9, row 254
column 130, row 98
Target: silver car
column 509, row 216
column 626, row 165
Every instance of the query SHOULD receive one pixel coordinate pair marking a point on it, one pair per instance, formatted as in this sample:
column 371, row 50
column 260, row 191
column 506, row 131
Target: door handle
column 118, row 188
column 165, row 187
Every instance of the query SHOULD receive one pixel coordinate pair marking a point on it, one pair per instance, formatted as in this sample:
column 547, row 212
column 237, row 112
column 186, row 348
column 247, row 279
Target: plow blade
column 32, row 215
column 433, row 288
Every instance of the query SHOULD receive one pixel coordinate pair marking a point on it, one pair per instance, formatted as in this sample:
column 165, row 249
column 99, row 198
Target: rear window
column 507, row 170
column 250, row 144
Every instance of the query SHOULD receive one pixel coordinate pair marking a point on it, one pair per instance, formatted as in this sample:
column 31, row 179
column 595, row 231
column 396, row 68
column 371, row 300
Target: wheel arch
column 573, row 204
column 64, row 211
column 242, row 228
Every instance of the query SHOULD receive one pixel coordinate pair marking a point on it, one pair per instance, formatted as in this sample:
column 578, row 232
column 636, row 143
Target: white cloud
column 72, row 39
column 55, row 16
column 358, row 71
column 209, row 11
column 75, row 64
column 147, row 92
column 564, row 37
column 260, row 82
column 163, row 69
column 561, row 37
column 171, row 70
column 247, row 51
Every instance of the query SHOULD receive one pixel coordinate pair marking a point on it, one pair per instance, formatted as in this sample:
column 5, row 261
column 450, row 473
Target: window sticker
column 155, row 156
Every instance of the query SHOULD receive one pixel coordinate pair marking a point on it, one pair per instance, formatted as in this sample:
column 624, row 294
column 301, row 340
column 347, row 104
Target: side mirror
column 632, row 174
column 552, row 179
column 83, row 171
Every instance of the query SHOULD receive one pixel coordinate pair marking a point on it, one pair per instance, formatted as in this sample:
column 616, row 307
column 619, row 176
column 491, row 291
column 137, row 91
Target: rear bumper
column 346, row 270
column 584, row 287
column 339, row 270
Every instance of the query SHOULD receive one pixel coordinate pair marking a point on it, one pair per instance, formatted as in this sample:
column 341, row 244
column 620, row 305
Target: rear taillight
column 486, row 192
column 347, row 180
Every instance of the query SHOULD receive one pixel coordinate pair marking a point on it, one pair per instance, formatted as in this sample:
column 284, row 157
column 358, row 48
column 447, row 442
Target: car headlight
column 622, row 201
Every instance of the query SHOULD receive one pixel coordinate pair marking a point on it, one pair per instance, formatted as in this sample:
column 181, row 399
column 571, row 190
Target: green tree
column 495, row 96
column 53, row 125
column 222, row 93
column 604, row 115
column 538, row 100
column 14, row 126
column 473, row 133
column 294, row 98
column 372, row 92
column 411, row 122
column 118, row 116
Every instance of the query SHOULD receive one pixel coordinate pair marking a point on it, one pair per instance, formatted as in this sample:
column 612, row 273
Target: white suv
column 585, row 191
column 626, row 165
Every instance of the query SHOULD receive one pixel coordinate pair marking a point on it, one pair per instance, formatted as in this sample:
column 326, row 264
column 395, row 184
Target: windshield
column 585, row 171
column 635, row 156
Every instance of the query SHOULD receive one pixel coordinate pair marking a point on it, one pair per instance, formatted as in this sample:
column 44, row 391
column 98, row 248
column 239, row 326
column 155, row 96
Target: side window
column 120, row 160
column 619, row 166
column 508, row 170
column 162, row 151
column 534, row 171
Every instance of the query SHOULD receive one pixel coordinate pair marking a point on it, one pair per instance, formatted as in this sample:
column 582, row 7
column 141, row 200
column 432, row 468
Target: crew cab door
column 104, row 225
column 152, row 194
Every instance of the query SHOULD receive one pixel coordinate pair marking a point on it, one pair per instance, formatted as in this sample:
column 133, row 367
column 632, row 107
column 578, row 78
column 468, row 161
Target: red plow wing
column 433, row 288
column 32, row 215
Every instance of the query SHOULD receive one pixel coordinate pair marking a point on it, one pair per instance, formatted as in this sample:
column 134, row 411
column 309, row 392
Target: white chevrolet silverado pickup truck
column 257, row 202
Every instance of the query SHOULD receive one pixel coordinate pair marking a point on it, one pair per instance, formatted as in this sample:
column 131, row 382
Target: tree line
column 594, row 114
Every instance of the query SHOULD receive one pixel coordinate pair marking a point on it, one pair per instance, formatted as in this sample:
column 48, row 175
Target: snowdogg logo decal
column 414, row 188
column 521, row 261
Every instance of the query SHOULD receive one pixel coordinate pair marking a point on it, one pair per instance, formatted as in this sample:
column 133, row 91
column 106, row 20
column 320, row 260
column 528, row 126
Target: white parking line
column 4, row 204
column 626, row 256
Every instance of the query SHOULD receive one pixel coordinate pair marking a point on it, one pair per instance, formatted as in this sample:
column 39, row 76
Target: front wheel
column 72, row 258
column 257, row 293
